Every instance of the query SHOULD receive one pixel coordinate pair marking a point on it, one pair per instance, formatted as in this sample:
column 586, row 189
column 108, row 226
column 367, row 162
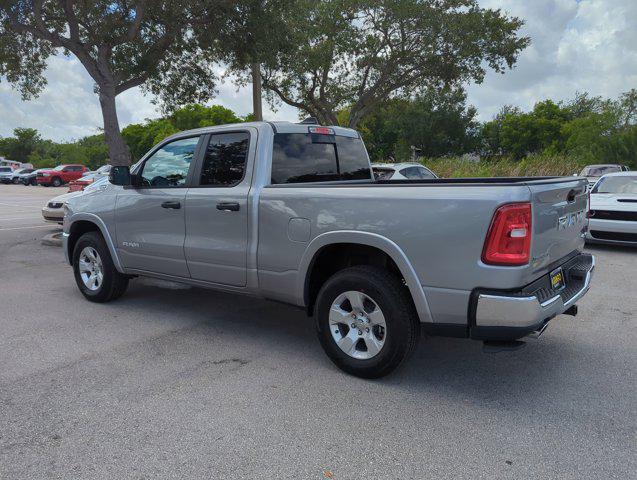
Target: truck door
column 149, row 218
column 217, row 209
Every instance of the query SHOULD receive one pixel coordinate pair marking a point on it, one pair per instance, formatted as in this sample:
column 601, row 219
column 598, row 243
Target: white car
column 19, row 174
column 5, row 174
column 401, row 171
column 613, row 210
column 594, row 172
column 53, row 210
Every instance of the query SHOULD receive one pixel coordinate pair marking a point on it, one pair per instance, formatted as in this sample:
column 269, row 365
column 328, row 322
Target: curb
column 53, row 239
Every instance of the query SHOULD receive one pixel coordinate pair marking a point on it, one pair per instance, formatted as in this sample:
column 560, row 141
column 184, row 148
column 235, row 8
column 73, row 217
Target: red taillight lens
column 321, row 130
column 509, row 238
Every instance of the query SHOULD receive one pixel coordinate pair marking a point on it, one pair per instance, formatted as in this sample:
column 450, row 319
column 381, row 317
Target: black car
column 29, row 178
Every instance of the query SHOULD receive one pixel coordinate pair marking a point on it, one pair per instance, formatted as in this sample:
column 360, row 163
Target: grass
column 538, row 165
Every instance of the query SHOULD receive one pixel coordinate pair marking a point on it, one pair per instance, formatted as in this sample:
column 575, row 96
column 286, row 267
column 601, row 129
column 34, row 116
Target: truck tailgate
column 559, row 219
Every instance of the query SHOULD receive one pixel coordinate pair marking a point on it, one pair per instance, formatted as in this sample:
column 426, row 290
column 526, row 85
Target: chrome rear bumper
column 528, row 310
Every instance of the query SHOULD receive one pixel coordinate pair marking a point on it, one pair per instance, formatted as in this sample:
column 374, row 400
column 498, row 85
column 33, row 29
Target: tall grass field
column 537, row 165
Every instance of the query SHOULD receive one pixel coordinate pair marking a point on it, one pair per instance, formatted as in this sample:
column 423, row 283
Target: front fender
column 99, row 223
column 373, row 240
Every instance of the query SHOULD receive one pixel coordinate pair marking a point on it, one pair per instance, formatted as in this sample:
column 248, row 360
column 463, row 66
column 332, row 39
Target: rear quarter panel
column 440, row 228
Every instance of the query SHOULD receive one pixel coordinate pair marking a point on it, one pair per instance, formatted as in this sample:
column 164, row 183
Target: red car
column 81, row 183
column 60, row 175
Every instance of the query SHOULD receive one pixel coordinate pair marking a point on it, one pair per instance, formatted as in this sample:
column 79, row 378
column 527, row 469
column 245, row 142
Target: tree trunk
column 118, row 151
column 257, row 107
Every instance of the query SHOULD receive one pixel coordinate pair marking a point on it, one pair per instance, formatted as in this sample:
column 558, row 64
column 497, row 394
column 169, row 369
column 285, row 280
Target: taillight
column 321, row 130
column 508, row 241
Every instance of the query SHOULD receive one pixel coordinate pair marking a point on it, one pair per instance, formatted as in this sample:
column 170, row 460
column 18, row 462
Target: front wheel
column 95, row 274
column 366, row 321
column 56, row 182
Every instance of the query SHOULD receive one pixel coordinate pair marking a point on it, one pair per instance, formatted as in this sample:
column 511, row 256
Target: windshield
column 599, row 171
column 616, row 185
column 59, row 168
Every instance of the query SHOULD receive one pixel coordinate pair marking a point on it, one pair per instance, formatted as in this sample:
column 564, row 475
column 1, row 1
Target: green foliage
column 92, row 151
column 21, row 145
column 141, row 137
column 195, row 116
column 436, row 123
column 589, row 128
column 533, row 165
column 357, row 54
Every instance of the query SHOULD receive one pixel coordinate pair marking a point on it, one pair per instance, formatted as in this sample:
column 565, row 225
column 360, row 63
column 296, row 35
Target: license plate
column 557, row 279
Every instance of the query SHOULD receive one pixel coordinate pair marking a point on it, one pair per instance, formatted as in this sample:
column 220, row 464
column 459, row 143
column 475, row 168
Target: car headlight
column 46, row 174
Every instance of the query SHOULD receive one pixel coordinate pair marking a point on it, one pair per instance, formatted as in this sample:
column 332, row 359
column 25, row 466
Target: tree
column 437, row 123
column 356, row 54
column 21, row 145
column 253, row 33
column 195, row 116
column 141, row 138
column 121, row 44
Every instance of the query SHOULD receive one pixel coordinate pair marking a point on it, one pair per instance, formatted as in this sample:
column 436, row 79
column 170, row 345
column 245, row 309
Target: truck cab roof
column 277, row 127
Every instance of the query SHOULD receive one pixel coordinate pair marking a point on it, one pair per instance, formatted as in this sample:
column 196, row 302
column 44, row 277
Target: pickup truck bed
column 304, row 222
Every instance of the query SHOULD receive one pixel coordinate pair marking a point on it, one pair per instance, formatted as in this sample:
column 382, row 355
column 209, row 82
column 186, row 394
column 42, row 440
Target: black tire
column 394, row 300
column 15, row 181
column 56, row 182
column 114, row 284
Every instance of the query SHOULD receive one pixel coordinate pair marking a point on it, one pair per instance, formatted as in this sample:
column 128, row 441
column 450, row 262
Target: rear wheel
column 56, row 182
column 15, row 181
column 366, row 321
column 95, row 274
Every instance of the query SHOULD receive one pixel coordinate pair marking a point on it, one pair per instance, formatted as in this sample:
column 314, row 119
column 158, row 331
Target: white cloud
column 587, row 45
column 68, row 108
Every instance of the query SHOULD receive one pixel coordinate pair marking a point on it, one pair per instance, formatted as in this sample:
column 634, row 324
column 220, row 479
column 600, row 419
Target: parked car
column 30, row 178
column 53, row 210
column 60, row 175
column 594, row 172
column 84, row 181
column 18, row 174
column 613, row 209
column 299, row 218
column 5, row 174
column 401, row 171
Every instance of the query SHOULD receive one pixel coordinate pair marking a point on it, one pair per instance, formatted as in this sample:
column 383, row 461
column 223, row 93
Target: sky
column 586, row 45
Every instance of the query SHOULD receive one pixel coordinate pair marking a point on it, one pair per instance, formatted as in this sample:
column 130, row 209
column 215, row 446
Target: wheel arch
column 83, row 223
column 367, row 244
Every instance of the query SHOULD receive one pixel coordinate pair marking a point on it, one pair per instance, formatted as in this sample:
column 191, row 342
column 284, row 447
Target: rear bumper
column 511, row 315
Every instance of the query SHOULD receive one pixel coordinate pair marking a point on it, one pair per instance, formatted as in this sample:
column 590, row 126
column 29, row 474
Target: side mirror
column 120, row 176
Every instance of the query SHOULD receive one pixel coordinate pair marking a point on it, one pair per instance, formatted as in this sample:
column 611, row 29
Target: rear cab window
column 312, row 157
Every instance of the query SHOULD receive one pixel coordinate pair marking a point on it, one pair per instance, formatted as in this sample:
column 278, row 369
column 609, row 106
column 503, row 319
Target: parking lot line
column 24, row 228
column 23, row 217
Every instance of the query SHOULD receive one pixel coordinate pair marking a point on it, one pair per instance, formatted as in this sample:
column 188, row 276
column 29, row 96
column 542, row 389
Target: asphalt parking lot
column 179, row 382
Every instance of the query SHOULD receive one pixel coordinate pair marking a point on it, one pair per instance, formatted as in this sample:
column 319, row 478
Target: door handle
column 228, row 206
column 173, row 205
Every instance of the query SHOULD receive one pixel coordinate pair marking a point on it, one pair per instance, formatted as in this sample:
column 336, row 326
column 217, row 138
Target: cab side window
column 168, row 166
column 224, row 163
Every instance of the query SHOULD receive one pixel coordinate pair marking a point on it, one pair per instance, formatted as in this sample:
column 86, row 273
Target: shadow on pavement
column 527, row 379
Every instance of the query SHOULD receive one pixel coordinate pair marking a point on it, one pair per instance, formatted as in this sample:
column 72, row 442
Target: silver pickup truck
column 292, row 212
